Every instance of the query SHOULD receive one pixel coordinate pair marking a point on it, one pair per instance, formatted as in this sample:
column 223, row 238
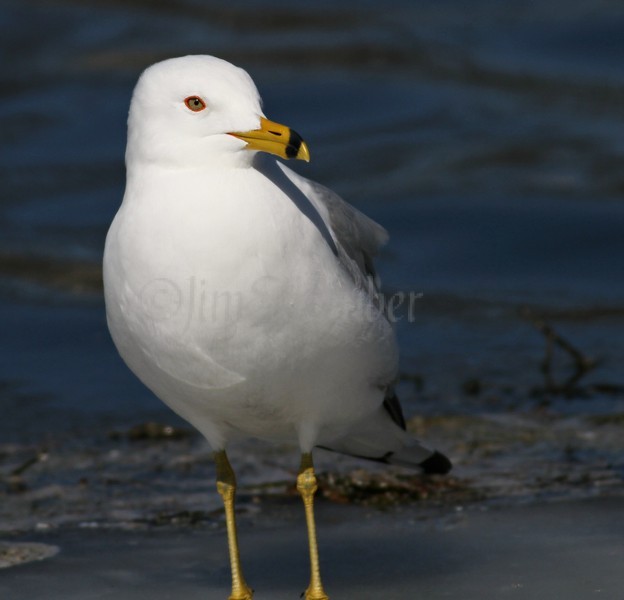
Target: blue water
column 487, row 137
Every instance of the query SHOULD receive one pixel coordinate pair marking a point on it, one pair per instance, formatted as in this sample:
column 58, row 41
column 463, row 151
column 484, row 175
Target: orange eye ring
column 194, row 103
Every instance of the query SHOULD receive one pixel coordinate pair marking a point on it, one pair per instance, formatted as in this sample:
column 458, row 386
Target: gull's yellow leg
column 226, row 486
column 306, row 484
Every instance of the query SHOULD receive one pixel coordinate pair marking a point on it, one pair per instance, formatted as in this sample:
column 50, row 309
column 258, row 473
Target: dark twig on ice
column 15, row 480
column 581, row 364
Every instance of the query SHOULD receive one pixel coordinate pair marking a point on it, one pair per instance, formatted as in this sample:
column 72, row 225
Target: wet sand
column 569, row 550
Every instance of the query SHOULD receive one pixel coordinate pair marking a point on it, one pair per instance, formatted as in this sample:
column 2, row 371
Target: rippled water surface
column 487, row 137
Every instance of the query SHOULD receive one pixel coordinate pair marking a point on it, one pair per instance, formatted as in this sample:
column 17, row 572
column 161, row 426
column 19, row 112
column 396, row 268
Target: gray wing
column 357, row 237
column 357, row 240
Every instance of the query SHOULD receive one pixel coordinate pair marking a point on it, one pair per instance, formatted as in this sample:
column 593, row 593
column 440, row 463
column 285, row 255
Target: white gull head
column 183, row 109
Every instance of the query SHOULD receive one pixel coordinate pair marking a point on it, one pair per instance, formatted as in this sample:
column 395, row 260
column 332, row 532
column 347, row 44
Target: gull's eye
column 195, row 103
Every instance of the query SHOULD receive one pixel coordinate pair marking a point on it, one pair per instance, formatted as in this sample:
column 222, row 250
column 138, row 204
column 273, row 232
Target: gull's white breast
column 225, row 298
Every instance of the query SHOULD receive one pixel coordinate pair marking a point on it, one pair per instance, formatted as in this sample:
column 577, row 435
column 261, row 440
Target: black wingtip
column 437, row 463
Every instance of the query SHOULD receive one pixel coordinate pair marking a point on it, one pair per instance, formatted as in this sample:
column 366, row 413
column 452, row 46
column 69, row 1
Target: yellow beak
column 275, row 139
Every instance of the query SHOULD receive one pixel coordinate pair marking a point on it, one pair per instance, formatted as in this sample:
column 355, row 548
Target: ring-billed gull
column 244, row 295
